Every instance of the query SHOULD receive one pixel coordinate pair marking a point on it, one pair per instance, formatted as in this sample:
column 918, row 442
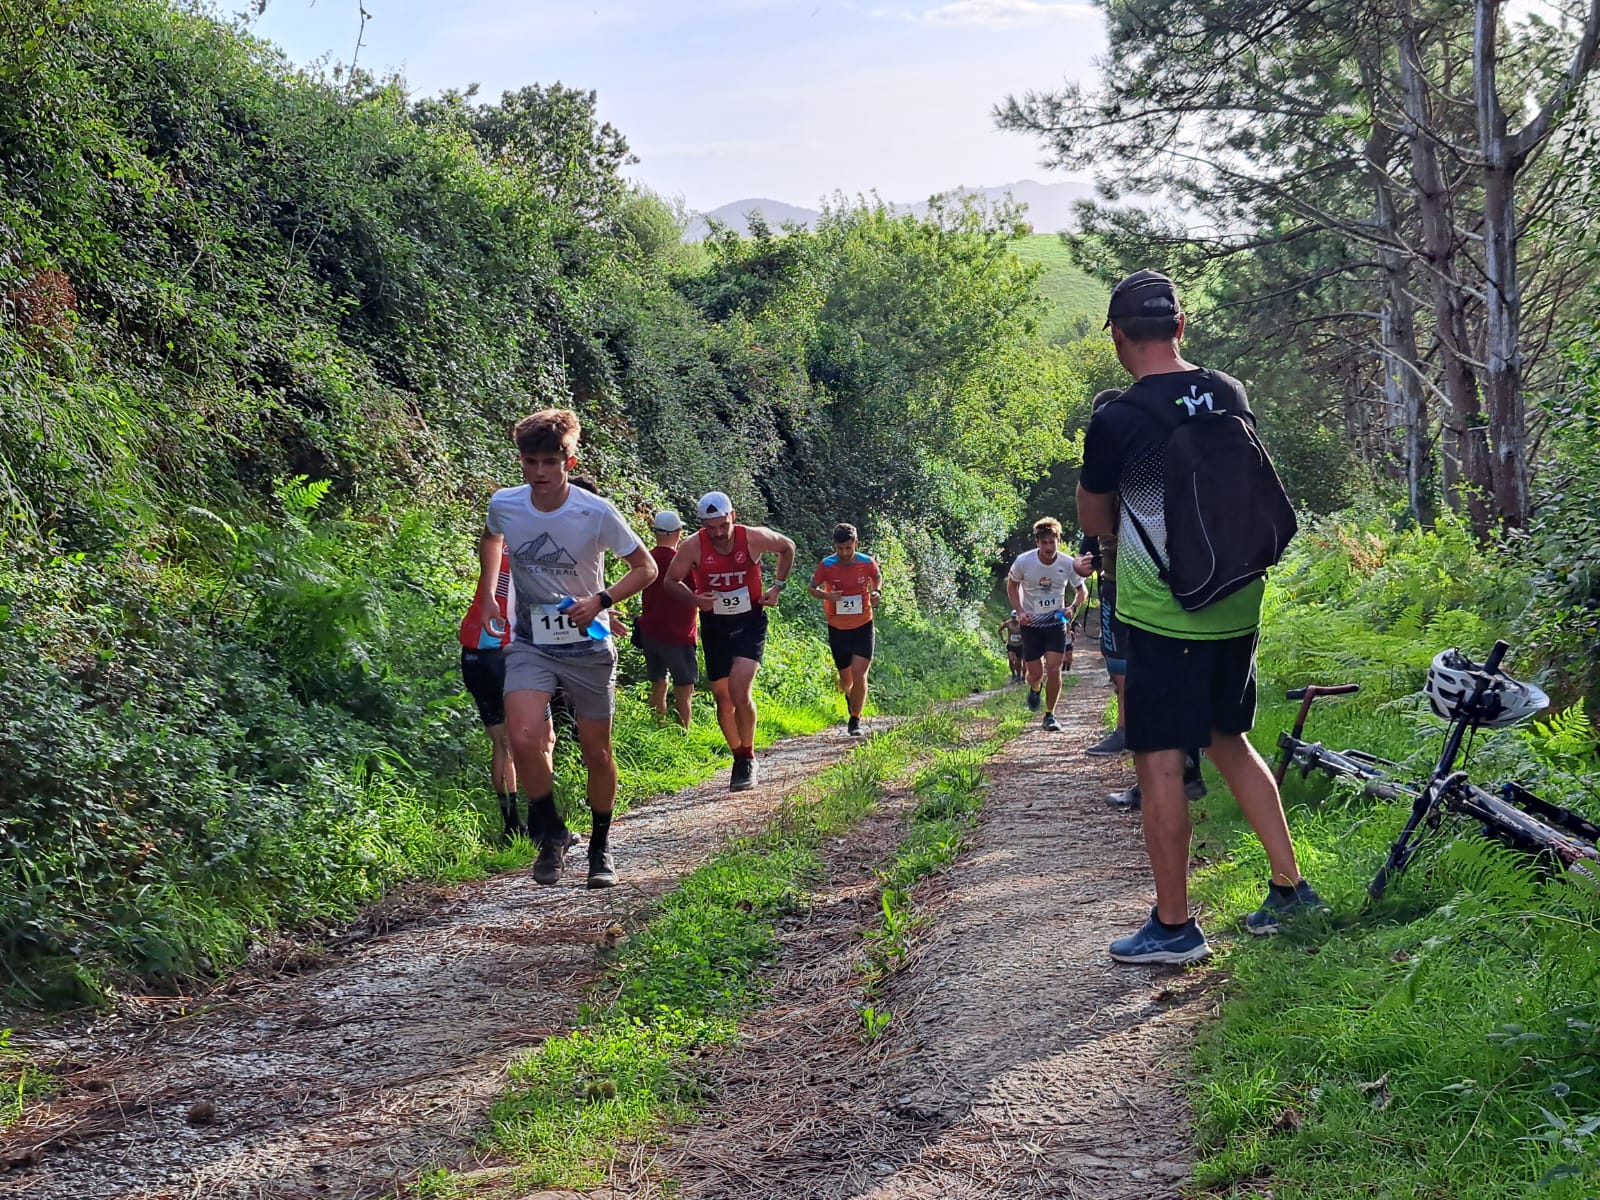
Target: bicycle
column 1470, row 696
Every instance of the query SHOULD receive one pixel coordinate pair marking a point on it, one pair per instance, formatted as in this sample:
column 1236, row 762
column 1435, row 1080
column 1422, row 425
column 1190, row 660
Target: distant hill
column 1049, row 207
column 1077, row 301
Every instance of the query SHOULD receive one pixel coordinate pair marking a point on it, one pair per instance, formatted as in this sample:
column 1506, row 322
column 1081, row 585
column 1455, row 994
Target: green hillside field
column 1072, row 293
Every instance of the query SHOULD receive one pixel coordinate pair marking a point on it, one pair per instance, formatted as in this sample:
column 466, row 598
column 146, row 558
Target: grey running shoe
column 1114, row 742
column 602, row 871
column 1051, row 725
column 1194, row 788
column 1155, row 943
column 744, row 775
column 1033, row 701
column 1127, row 801
column 1278, row 907
column 552, row 855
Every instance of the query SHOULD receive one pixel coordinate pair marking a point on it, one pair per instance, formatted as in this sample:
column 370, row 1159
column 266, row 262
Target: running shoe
column 1127, row 801
column 552, row 856
column 602, row 871
column 1114, row 742
column 744, row 772
column 1155, row 943
column 1284, row 906
column 1033, row 701
column 1051, row 725
column 854, row 728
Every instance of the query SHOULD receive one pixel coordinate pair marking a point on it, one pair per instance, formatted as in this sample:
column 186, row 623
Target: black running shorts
column 484, row 673
column 727, row 638
column 1039, row 640
column 1179, row 691
column 666, row 658
column 847, row 644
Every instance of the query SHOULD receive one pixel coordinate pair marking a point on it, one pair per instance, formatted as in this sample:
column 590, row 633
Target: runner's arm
column 641, row 573
column 686, row 560
column 1014, row 590
column 490, row 547
column 823, row 592
column 770, row 541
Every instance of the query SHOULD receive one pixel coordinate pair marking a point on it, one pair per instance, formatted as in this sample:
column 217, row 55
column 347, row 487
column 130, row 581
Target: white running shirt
column 555, row 555
column 1044, row 586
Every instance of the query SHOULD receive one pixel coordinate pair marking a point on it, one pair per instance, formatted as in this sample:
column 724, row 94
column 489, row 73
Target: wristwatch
column 605, row 599
column 780, row 584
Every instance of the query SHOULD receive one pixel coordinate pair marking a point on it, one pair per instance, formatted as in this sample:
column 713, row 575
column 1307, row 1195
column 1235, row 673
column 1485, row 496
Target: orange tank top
column 733, row 579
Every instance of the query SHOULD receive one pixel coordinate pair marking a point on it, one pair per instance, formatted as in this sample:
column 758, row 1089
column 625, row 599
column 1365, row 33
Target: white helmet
column 1505, row 701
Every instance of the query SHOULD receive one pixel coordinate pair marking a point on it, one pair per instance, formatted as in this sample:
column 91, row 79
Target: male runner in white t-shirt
column 558, row 536
column 1046, row 587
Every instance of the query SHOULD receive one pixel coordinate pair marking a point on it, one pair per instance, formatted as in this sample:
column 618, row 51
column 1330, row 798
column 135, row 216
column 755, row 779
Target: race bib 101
column 552, row 627
column 850, row 606
column 1043, row 604
column 731, row 604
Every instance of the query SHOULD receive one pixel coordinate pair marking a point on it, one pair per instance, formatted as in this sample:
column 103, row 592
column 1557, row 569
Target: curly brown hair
column 548, row 430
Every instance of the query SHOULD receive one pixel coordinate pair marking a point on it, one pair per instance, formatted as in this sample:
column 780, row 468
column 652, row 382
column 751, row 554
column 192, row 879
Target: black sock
column 1280, row 890
column 599, row 830
column 543, row 819
column 1172, row 928
column 508, row 807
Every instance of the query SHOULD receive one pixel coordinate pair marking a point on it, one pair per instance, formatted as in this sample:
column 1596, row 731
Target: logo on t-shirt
column 543, row 551
column 1195, row 399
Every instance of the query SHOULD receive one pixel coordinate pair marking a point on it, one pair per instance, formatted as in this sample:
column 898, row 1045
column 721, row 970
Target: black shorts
column 727, row 638
column 1179, row 691
column 1014, row 649
column 847, row 644
column 664, row 658
column 1113, row 633
column 1039, row 640
column 484, row 673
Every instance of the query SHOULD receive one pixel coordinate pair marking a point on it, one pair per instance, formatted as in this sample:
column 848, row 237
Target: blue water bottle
column 597, row 628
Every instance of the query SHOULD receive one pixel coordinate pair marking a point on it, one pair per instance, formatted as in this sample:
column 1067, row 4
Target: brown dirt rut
column 1021, row 1061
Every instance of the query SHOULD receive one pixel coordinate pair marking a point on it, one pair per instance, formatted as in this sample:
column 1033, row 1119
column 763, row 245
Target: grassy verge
column 950, row 795
column 1440, row 1044
column 680, row 984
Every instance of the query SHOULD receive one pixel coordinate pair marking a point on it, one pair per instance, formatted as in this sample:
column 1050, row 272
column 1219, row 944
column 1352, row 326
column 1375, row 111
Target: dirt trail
column 345, row 1078
column 1021, row 1062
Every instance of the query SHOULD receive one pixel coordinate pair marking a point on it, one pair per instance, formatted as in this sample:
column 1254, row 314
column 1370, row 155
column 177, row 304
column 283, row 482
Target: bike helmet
column 1505, row 701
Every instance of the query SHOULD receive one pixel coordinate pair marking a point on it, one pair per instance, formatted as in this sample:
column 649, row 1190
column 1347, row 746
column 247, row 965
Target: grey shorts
column 663, row 658
column 589, row 680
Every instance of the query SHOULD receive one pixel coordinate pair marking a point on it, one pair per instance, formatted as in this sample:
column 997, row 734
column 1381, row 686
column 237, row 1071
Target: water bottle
column 598, row 629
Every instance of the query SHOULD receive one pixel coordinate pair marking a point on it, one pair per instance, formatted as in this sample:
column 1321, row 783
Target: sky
column 726, row 100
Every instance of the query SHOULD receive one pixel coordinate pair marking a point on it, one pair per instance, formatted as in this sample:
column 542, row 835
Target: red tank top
column 730, row 575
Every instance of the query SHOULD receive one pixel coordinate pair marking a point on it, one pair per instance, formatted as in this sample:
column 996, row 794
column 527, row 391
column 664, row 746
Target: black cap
column 1143, row 294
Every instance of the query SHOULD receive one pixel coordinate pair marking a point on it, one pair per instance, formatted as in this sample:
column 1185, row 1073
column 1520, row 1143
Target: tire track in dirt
column 348, row 1078
column 1021, row 1061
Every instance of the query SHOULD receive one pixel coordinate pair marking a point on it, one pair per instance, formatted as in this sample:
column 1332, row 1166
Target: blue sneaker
column 1279, row 907
column 1154, row 943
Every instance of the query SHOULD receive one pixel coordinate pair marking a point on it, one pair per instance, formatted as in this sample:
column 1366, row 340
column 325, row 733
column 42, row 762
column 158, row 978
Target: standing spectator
column 1190, row 674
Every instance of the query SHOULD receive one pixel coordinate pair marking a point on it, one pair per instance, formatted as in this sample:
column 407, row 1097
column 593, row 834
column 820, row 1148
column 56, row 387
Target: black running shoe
column 1114, row 742
column 602, row 871
column 744, row 772
column 1051, row 725
column 1127, row 801
column 1033, row 701
column 552, row 856
column 854, row 728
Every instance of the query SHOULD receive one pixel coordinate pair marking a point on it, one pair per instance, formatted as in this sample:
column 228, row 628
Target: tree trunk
column 1468, row 478
column 1508, row 432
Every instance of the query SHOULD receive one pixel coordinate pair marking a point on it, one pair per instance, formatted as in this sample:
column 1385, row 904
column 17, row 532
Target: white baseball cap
column 666, row 521
column 714, row 504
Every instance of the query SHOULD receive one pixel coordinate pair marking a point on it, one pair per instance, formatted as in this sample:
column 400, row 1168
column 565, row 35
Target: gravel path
column 352, row 1074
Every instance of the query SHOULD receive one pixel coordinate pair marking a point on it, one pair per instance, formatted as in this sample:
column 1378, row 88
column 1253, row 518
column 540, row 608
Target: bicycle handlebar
column 1312, row 691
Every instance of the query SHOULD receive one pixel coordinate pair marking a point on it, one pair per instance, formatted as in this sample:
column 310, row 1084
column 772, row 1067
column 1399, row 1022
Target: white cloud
column 1006, row 14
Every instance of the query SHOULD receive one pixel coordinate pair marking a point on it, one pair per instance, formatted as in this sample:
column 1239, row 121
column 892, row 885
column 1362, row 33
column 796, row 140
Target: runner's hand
column 771, row 596
column 705, row 600
column 584, row 611
column 1083, row 565
column 489, row 612
column 619, row 627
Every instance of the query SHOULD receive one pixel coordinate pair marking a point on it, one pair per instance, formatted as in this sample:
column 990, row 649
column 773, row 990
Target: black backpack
column 1228, row 517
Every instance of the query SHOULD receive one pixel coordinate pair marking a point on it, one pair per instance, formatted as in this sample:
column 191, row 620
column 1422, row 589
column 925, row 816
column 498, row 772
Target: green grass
column 1077, row 300
column 678, row 986
column 950, row 795
column 1442, row 1043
